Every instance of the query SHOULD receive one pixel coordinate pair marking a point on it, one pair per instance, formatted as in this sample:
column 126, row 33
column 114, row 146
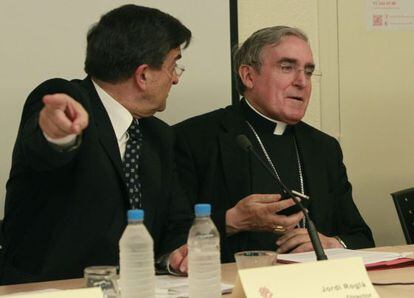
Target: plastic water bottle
column 204, row 270
column 136, row 258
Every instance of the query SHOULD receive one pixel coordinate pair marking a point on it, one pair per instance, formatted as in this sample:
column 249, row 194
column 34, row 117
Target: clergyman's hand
column 258, row 212
column 178, row 260
column 62, row 116
column 298, row 240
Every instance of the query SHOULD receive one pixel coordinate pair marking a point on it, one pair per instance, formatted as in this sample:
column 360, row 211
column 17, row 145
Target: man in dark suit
column 274, row 67
column 67, row 194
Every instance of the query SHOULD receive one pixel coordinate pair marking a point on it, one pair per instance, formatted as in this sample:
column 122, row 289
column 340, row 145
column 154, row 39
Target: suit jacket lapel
column 99, row 117
column 234, row 159
column 313, row 170
column 151, row 174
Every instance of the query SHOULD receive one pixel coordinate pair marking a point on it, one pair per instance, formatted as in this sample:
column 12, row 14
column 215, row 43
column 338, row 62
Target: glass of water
column 104, row 277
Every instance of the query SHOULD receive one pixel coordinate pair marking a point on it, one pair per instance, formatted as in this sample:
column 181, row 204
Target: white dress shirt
column 120, row 118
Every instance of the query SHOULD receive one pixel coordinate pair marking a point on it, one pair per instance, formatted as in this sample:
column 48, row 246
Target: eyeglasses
column 179, row 69
column 292, row 68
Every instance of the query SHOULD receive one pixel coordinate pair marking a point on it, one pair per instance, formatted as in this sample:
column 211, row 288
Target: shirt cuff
column 65, row 144
column 162, row 266
column 340, row 241
column 67, row 141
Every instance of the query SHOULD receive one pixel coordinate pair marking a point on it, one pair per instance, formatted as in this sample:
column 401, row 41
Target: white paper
column 54, row 293
column 168, row 286
column 369, row 257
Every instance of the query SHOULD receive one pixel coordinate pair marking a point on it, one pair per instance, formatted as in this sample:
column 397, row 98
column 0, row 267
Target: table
column 229, row 274
column 405, row 275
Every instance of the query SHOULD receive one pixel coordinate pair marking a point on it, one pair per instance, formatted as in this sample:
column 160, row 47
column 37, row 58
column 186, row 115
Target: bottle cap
column 135, row 214
column 202, row 209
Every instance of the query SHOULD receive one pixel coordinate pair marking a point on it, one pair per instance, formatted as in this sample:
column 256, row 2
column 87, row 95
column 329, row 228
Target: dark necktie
column 131, row 164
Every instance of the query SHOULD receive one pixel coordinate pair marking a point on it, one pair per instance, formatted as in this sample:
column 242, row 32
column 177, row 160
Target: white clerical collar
column 280, row 126
column 120, row 117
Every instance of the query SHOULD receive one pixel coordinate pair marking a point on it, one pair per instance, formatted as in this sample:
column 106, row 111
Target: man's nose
column 175, row 78
column 301, row 80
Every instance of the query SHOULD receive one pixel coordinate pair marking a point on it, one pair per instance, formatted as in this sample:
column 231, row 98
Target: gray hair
column 249, row 53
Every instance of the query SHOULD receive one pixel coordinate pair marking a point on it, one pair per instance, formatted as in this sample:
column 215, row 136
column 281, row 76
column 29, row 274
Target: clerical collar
column 261, row 121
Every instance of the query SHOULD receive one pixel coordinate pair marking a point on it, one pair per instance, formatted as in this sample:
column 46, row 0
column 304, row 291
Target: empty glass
column 255, row 258
column 104, row 277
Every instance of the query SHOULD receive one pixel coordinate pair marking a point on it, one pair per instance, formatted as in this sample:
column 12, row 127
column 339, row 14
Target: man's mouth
column 296, row 98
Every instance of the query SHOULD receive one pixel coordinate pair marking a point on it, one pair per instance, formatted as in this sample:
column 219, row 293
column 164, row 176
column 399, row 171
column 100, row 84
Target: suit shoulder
column 202, row 121
column 57, row 85
column 156, row 126
column 54, row 85
column 316, row 133
column 51, row 86
column 156, row 122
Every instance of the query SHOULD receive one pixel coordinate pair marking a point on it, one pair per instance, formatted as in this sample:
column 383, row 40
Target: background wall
column 47, row 38
column 376, row 114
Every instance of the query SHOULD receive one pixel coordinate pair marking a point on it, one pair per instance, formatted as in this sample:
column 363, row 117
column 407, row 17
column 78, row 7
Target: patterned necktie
column 131, row 164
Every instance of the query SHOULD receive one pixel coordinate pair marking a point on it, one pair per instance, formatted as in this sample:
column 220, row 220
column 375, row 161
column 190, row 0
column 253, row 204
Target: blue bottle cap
column 135, row 214
column 202, row 209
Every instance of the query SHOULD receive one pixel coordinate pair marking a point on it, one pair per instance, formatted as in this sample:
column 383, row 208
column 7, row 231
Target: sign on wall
column 390, row 14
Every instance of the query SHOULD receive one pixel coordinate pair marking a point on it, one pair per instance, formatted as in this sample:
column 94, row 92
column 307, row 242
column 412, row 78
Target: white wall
column 47, row 38
column 376, row 107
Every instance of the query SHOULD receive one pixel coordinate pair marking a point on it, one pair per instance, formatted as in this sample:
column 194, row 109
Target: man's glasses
column 179, row 69
column 292, row 68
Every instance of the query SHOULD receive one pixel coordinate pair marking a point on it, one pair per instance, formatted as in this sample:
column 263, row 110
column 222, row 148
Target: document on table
column 168, row 286
column 371, row 258
column 55, row 293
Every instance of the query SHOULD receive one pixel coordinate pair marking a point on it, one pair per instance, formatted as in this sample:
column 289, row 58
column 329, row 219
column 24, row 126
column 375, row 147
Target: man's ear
column 141, row 75
column 246, row 75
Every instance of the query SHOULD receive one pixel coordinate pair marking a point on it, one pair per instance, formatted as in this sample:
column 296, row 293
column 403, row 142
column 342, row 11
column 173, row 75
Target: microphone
column 246, row 145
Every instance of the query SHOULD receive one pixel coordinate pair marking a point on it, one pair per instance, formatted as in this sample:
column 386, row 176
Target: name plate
column 343, row 278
